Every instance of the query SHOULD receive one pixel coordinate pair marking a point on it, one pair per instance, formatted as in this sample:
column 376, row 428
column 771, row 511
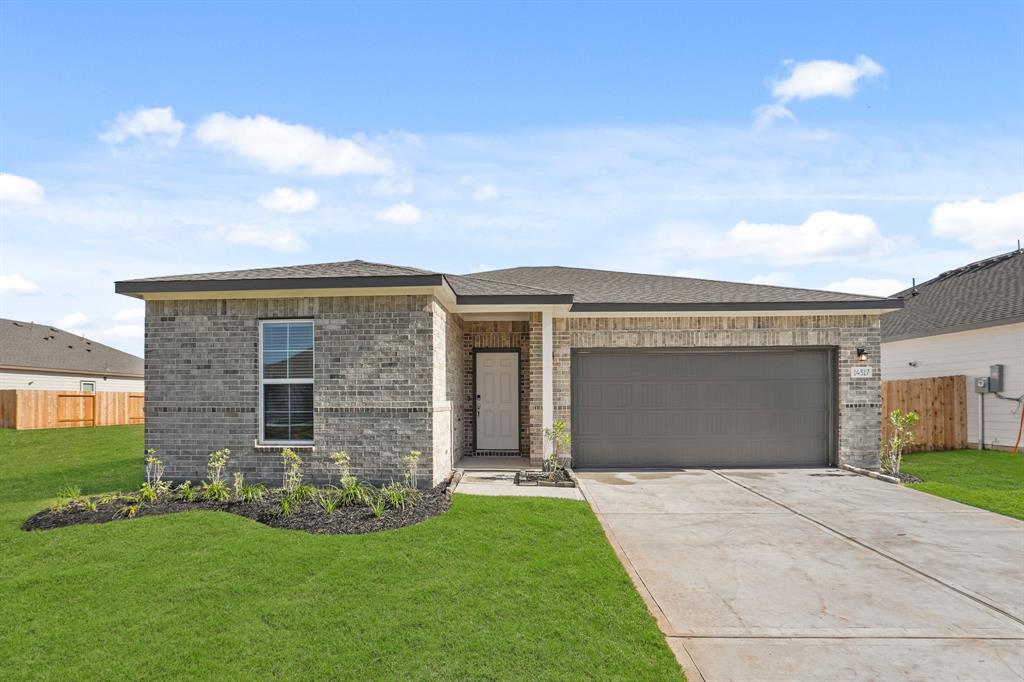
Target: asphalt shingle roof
column 985, row 293
column 585, row 289
column 604, row 286
column 474, row 285
column 40, row 346
column 351, row 268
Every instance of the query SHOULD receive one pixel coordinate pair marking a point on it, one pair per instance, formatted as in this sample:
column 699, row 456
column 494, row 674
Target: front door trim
column 519, row 393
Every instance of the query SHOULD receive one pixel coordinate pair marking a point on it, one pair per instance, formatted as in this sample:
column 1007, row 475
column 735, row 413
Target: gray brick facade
column 858, row 401
column 395, row 373
column 373, row 384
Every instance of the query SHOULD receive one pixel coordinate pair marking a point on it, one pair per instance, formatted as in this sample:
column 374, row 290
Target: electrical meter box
column 981, row 384
column 995, row 378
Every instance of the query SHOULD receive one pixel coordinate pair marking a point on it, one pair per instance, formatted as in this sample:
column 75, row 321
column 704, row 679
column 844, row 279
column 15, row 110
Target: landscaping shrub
column 902, row 436
column 294, row 505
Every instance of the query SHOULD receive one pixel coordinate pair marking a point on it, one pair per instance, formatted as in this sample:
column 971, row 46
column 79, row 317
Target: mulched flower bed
column 308, row 516
column 554, row 479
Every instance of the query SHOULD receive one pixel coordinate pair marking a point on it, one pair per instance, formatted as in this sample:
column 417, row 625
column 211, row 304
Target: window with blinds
column 286, row 381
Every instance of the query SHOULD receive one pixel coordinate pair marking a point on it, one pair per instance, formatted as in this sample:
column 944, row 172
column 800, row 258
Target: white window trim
column 81, row 386
column 260, row 440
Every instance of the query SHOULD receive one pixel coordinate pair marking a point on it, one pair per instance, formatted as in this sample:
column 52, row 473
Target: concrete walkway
column 818, row 575
column 503, row 483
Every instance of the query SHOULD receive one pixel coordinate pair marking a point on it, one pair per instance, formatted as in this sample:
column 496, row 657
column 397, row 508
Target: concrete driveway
column 805, row 574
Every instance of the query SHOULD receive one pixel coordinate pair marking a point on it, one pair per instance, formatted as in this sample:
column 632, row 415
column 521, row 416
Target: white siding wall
column 968, row 353
column 65, row 382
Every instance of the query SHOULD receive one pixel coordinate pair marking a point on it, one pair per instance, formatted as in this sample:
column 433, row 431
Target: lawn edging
column 870, row 473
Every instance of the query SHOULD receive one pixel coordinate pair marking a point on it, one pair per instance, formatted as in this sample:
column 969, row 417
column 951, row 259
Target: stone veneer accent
column 448, row 390
column 496, row 334
column 373, row 384
column 858, row 403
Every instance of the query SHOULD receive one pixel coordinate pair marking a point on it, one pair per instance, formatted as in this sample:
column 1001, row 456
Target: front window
column 286, row 381
column 87, row 386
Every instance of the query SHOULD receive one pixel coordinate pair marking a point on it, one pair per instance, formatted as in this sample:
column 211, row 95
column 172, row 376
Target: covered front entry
column 496, row 379
column 673, row 408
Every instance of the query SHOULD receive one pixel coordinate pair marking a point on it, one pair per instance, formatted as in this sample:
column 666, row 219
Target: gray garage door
column 701, row 409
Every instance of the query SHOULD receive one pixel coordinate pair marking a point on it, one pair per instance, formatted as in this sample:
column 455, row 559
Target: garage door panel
column 692, row 409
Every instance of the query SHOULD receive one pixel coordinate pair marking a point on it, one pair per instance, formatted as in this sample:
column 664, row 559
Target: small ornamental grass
column 252, row 493
column 67, row 498
column 185, row 492
column 376, row 503
column 328, row 499
column 215, row 489
column 398, row 496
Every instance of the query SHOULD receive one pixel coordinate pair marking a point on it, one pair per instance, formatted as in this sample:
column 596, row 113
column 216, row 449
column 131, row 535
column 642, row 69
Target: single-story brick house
column 647, row 370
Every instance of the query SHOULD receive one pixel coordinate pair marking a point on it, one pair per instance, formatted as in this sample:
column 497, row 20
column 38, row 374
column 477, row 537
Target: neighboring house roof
column 986, row 293
column 27, row 345
column 583, row 289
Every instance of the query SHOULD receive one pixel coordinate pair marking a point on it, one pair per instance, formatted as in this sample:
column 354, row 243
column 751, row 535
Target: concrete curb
column 871, row 474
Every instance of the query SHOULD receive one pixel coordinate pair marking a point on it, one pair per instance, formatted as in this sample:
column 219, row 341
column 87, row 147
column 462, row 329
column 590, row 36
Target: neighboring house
column 43, row 358
column 647, row 370
column 962, row 322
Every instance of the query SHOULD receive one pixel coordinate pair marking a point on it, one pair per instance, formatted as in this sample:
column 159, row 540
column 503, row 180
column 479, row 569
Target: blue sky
column 845, row 146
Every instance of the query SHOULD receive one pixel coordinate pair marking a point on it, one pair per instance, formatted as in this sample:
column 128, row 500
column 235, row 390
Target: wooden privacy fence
column 942, row 404
column 21, row 409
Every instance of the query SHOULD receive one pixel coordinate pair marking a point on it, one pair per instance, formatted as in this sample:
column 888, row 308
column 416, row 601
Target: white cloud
column 15, row 284
column 824, row 77
column 486, row 193
column 824, row 236
column 72, row 322
column 274, row 238
column 287, row 200
column 15, row 189
column 981, row 224
column 767, row 114
column 283, row 147
column 400, row 214
column 777, row 279
column 130, row 314
column 866, row 286
column 818, row 78
column 157, row 124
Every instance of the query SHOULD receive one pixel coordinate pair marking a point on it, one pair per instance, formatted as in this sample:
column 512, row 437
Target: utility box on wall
column 981, row 385
column 995, row 378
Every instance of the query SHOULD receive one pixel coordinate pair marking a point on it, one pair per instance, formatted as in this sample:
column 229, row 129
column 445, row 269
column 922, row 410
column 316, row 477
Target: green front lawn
column 988, row 479
column 497, row 588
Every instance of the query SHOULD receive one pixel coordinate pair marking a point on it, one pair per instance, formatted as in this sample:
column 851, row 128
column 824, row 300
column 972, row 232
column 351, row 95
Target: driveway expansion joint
column 961, row 591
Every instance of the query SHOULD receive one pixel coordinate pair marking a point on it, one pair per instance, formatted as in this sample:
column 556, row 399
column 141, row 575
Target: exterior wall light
column 862, row 355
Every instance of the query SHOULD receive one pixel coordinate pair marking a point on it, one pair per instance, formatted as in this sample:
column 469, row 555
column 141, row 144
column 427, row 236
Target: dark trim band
column 889, row 304
column 272, row 284
column 491, row 299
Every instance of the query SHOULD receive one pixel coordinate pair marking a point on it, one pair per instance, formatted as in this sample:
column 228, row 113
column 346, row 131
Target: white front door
column 497, row 401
